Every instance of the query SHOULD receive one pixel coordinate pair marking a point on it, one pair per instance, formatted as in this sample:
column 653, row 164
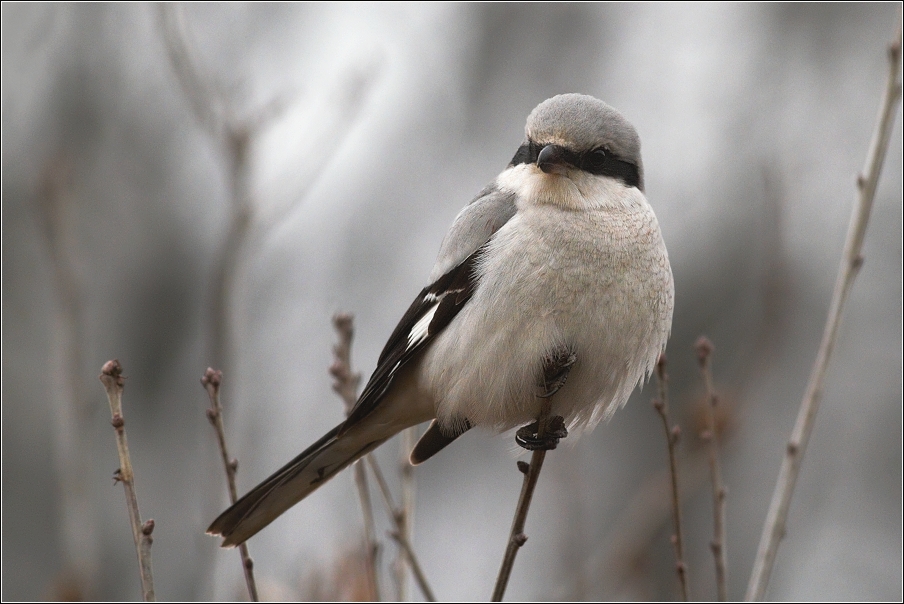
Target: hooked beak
column 552, row 160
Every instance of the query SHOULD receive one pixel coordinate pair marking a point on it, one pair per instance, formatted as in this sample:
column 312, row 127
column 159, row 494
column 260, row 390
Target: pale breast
column 596, row 281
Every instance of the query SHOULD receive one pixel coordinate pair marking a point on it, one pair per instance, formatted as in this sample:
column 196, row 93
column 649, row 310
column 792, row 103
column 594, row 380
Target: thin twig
column 644, row 514
column 211, row 382
column 672, row 434
column 517, row 538
column 776, row 519
column 111, row 378
column 405, row 547
column 718, row 545
column 371, row 547
column 346, row 386
column 346, row 380
column 398, row 535
column 144, row 555
column 406, row 472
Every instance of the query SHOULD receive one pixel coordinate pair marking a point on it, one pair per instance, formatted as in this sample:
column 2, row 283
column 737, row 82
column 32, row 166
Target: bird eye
column 594, row 161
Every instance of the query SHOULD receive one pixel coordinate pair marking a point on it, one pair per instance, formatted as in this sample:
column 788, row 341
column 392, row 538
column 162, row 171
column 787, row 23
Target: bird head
column 579, row 132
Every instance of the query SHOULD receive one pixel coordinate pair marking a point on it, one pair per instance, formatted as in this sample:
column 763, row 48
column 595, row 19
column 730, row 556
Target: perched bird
column 554, row 280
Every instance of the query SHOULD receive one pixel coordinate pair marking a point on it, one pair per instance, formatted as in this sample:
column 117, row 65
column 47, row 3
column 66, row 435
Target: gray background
column 754, row 122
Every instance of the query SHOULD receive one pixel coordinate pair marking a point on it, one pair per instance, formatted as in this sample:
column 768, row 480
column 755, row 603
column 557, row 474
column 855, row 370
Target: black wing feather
column 448, row 295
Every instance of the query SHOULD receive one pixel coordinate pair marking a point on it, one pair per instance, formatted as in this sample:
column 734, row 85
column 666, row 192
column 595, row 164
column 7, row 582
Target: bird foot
column 556, row 367
column 528, row 437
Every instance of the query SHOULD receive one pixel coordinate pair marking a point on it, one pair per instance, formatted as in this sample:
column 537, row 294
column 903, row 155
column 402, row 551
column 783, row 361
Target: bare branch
column 398, row 535
column 346, row 386
column 111, row 378
column 776, row 519
column 517, row 538
column 406, row 471
column 405, row 547
column 371, row 547
column 672, row 434
column 211, row 382
column 346, row 380
column 711, row 435
column 144, row 556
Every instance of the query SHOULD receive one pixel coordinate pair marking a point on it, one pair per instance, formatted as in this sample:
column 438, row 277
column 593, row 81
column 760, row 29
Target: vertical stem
column 718, row 545
column 211, row 382
column 111, row 377
column 672, row 434
column 776, row 519
column 370, row 542
column 517, row 538
column 345, row 385
column 407, row 510
column 419, row 575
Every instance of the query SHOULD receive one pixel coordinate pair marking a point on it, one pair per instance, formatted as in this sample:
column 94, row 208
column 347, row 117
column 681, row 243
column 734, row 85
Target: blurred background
column 208, row 184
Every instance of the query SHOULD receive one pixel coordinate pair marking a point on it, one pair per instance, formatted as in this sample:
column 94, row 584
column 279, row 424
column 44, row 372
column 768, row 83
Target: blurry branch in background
column 211, row 382
column 711, row 435
column 774, row 527
column 54, row 219
column 346, row 379
column 235, row 136
column 419, row 577
column 75, row 412
column 635, row 530
column 397, row 535
column 346, row 386
column 406, row 512
column 672, row 435
column 111, row 378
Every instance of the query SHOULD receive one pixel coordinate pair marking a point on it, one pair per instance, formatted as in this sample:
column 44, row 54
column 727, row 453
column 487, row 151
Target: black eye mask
column 601, row 162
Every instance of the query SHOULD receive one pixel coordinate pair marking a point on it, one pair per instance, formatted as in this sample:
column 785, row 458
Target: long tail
column 290, row 484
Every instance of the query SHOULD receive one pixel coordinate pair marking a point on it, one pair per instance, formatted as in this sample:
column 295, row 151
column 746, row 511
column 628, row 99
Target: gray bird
column 557, row 269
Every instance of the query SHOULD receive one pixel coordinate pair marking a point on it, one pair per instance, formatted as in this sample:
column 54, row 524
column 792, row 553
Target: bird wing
column 473, row 227
column 453, row 281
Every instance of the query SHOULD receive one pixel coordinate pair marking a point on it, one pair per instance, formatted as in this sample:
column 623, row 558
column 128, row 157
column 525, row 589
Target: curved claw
column 527, row 437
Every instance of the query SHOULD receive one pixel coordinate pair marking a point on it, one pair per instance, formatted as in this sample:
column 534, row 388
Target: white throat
column 573, row 190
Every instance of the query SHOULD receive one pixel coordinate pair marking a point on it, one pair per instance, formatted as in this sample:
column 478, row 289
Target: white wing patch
column 418, row 333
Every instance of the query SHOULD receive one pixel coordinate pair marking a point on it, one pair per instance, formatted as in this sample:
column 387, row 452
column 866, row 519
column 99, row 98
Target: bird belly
column 598, row 283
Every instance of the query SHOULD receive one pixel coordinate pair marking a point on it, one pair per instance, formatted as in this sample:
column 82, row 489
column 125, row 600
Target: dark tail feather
column 435, row 440
column 289, row 485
